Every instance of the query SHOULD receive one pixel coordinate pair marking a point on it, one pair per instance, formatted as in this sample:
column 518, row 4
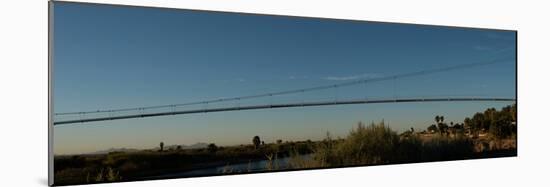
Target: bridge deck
column 287, row 105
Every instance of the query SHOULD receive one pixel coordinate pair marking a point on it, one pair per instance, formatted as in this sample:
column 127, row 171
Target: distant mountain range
column 127, row 150
column 114, row 150
column 194, row 146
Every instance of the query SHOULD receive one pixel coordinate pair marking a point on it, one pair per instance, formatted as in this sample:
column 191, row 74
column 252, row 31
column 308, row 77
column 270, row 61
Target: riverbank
column 126, row 166
column 491, row 134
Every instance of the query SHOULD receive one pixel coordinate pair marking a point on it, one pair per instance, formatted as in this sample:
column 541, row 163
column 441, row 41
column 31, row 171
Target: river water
column 255, row 166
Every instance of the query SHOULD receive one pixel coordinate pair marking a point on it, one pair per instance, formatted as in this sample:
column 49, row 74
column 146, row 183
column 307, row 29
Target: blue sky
column 108, row 57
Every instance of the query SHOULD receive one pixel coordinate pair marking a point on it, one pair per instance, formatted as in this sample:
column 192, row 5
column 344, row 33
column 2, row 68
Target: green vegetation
column 377, row 144
column 499, row 124
column 485, row 135
column 212, row 148
column 79, row 169
column 256, row 141
column 108, row 176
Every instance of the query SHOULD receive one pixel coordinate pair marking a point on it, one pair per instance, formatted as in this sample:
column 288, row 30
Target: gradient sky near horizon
column 109, row 57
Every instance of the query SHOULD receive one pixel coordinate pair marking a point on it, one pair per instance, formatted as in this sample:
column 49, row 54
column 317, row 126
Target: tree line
column 497, row 123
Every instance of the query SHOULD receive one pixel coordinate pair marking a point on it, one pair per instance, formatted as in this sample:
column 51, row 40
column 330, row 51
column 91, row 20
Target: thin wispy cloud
column 295, row 77
column 352, row 77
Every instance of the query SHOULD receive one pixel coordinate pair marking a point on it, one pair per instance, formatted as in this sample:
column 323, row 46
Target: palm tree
column 256, row 141
column 440, row 125
column 467, row 123
column 161, row 146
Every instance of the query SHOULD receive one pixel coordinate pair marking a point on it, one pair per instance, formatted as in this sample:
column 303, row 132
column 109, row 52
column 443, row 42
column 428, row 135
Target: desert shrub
column 446, row 148
column 71, row 175
column 129, row 166
column 297, row 161
column 104, row 175
column 64, row 162
column 378, row 144
column 409, row 149
column 272, row 162
column 373, row 144
column 324, row 152
column 212, row 148
column 502, row 130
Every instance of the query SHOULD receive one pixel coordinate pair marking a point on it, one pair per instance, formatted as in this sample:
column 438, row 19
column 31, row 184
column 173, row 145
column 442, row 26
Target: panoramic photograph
column 154, row 93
